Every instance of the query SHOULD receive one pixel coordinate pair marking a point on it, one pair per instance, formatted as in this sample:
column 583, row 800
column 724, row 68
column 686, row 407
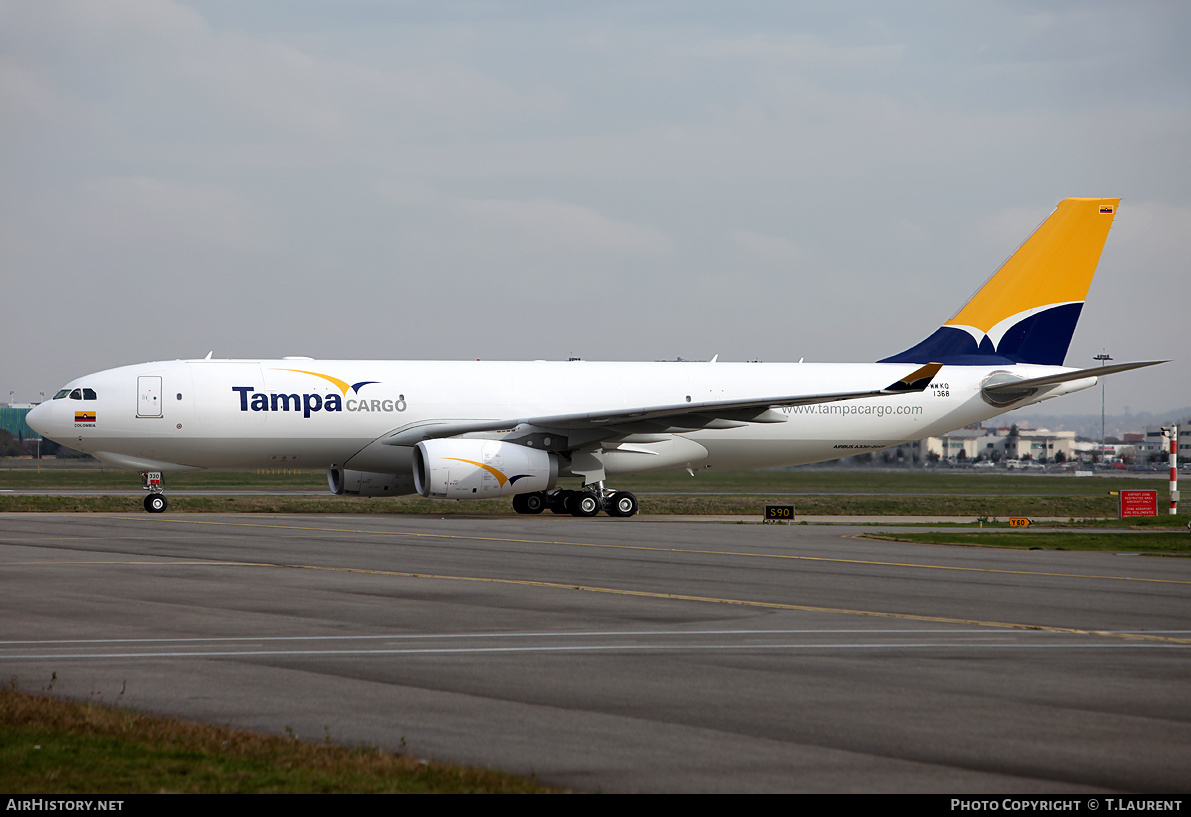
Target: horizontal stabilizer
column 1067, row 377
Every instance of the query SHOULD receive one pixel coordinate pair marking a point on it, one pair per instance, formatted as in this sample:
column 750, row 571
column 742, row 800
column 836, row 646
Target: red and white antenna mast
column 1172, row 433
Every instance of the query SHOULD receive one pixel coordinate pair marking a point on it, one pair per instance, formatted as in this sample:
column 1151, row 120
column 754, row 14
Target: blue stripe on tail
column 1042, row 338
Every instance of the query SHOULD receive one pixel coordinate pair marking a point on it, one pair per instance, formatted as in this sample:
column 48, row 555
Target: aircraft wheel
column 585, row 503
column 622, row 504
column 155, row 503
column 529, row 503
column 562, row 502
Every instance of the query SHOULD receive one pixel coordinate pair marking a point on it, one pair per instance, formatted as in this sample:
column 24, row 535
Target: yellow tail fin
column 1027, row 311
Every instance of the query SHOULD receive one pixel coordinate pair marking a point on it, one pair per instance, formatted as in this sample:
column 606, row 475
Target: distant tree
column 70, row 453
column 9, row 447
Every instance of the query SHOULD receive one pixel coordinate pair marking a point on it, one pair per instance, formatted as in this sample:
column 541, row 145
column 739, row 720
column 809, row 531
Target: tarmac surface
column 622, row 655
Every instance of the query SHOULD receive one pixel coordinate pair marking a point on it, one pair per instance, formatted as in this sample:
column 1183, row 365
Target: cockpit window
column 77, row 394
column 89, row 394
column 61, row 394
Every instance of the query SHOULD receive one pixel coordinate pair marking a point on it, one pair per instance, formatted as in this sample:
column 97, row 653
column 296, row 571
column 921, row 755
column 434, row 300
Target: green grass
column 895, row 482
column 64, row 474
column 651, row 504
column 48, row 746
column 814, row 492
column 53, row 474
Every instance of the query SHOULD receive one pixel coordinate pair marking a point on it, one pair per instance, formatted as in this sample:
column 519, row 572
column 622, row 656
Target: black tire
column 585, row 503
column 529, row 503
column 561, row 502
column 156, row 503
column 622, row 504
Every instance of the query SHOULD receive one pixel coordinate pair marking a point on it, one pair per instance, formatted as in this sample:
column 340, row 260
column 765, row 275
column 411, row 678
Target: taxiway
column 619, row 655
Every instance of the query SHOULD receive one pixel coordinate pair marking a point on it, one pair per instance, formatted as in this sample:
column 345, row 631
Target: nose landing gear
column 155, row 501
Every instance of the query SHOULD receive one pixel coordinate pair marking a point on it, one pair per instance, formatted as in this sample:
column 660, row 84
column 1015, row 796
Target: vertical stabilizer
column 1027, row 311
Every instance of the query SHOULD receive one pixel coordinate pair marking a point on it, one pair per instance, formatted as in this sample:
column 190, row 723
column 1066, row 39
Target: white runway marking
column 656, row 640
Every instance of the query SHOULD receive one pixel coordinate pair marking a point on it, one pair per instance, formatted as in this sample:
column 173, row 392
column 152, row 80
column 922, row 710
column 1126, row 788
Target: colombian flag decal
column 1106, row 209
column 84, row 417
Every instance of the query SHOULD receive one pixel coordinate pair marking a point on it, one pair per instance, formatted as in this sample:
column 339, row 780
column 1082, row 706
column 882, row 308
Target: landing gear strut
column 583, row 503
column 155, row 501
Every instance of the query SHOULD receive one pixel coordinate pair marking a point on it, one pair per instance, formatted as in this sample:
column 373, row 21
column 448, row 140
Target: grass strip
column 656, row 504
column 49, row 746
column 18, row 474
column 823, row 492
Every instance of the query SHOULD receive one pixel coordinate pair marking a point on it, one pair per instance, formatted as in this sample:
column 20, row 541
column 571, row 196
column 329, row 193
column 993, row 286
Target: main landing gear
column 155, row 501
column 588, row 501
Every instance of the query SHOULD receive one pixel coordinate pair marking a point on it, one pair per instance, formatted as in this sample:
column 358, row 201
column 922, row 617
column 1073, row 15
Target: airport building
column 12, row 420
column 1155, row 444
column 1000, row 444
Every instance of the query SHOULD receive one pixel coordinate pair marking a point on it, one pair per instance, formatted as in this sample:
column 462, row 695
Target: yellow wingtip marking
column 929, row 370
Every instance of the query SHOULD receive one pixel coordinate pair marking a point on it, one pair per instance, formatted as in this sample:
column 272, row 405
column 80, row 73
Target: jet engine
column 477, row 469
column 363, row 483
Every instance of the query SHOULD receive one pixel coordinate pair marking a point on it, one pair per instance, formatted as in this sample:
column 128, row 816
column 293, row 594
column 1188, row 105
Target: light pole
column 39, row 436
column 1103, row 358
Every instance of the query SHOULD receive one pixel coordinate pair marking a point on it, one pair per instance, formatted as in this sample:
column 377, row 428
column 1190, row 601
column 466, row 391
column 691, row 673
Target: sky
column 615, row 180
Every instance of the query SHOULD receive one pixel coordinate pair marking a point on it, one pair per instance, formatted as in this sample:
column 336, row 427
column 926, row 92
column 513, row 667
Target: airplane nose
column 38, row 419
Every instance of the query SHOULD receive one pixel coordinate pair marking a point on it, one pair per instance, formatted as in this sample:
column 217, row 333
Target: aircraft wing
column 1066, row 377
column 677, row 417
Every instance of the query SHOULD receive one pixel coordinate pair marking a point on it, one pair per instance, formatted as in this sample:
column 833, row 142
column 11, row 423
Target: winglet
column 915, row 381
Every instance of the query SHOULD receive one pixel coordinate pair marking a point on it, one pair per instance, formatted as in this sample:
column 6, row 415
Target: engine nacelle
column 478, row 469
column 362, row 483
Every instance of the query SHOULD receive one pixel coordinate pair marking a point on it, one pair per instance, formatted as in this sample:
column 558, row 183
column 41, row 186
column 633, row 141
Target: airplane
column 481, row 429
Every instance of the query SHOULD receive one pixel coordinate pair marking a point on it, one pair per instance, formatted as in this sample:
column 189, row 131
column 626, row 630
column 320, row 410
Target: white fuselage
column 249, row 414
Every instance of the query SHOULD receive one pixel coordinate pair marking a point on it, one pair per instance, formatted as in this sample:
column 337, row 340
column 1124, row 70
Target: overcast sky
column 610, row 180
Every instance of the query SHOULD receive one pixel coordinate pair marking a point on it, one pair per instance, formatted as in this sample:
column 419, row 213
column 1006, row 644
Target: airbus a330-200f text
column 474, row 430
